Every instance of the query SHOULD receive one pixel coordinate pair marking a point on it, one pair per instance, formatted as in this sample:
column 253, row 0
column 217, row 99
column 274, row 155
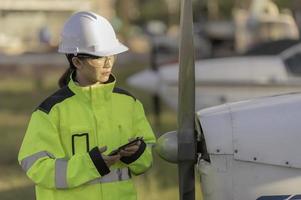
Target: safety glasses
column 98, row 59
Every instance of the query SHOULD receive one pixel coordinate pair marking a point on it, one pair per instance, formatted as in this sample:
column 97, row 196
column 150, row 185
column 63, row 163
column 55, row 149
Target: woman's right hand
column 109, row 160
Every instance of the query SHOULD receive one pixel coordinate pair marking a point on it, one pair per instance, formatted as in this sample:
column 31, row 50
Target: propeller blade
column 186, row 106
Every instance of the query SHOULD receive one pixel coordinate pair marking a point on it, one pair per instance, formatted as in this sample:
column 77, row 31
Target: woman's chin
column 104, row 79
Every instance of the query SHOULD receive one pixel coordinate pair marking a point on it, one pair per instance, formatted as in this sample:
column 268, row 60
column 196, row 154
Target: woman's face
column 96, row 70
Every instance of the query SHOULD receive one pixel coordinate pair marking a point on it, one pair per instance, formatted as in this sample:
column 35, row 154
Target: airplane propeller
column 180, row 146
column 186, row 107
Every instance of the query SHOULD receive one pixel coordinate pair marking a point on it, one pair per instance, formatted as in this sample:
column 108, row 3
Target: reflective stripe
column 61, row 173
column 27, row 162
column 115, row 175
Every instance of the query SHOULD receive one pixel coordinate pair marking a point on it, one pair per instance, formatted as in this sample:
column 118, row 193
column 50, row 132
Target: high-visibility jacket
column 60, row 149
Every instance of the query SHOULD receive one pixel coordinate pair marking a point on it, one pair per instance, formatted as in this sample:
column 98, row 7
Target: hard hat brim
column 117, row 49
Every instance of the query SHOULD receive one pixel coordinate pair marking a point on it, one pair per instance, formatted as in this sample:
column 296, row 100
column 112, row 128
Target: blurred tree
column 127, row 11
column 217, row 9
column 153, row 10
column 283, row 3
column 140, row 12
column 213, row 9
column 173, row 7
column 243, row 4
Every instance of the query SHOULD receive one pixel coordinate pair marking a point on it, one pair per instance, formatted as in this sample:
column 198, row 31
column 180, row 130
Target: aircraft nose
column 147, row 80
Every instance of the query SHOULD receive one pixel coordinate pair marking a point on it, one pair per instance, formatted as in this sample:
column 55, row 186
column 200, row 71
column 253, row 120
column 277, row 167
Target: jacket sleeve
column 140, row 162
column 43, row 158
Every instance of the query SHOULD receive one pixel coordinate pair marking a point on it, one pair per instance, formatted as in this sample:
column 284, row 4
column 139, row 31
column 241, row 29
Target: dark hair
column 65, row 78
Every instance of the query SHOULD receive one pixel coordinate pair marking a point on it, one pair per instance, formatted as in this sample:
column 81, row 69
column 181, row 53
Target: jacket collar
column 96, row 92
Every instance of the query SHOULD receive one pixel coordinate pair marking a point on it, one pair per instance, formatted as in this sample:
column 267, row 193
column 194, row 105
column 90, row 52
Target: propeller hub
column 167, row 146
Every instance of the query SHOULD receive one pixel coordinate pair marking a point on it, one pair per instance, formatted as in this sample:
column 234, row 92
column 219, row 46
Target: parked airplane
column 228, row 79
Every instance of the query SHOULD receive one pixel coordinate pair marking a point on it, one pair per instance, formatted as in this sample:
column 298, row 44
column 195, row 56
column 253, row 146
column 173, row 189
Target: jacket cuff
column 98, row 161
column 135, row 156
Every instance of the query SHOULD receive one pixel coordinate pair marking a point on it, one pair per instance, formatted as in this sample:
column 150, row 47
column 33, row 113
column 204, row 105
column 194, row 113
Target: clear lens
column 100, row 61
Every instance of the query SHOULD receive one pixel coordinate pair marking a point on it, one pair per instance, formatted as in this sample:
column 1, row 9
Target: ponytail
column 65, row 78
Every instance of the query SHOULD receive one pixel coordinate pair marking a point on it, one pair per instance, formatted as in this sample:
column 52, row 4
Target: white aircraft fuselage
column 223, row 80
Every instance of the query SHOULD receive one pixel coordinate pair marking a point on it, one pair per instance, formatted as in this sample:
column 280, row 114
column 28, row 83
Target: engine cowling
column 254, row 148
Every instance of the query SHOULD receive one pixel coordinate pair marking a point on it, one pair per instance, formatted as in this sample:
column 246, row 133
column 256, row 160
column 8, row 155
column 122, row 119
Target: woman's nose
column 107, row 65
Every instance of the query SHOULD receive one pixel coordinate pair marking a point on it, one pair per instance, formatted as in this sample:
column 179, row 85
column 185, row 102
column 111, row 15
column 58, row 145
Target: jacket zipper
column 95, row 134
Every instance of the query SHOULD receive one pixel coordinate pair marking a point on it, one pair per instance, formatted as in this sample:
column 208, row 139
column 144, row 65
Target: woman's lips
column 107, row 73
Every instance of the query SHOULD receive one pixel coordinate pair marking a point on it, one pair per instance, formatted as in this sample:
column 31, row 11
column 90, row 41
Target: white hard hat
column 89, row 33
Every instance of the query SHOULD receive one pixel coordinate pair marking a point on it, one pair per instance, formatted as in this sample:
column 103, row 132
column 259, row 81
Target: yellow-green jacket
column 60, row 149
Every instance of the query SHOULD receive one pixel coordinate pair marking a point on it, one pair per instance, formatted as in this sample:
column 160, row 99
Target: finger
column 115, row 157
column 106, row 160
column 132, row 148
column 136, row 143
column 104, row 157
column 125, row 153
column 111, row 160
column 131, row 152
column 102, row 149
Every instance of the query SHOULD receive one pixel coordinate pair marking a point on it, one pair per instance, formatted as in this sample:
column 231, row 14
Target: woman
column 66, row 146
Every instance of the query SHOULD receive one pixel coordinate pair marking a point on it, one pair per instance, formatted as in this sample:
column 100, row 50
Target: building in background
column 34, row 25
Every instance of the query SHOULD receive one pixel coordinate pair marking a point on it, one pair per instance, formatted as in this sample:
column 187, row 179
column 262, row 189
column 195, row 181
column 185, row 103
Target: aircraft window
column 293, row 64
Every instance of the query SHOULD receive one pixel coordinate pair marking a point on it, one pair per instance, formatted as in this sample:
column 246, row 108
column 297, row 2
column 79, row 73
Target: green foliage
column 226, row 7
column 283, row 3
column 153, row 10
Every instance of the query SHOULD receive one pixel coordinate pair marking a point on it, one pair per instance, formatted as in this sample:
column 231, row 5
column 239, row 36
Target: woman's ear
column 77, row 63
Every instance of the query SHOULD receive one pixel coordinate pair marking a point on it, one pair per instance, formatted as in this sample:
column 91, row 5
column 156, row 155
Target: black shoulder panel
column 55, row 98
column 122, row 91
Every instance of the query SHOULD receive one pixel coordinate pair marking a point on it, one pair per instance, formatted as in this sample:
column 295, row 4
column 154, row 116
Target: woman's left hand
column 130, row 150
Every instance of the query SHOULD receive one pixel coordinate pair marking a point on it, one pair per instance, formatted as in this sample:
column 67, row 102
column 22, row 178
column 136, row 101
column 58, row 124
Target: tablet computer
column 131, row 143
